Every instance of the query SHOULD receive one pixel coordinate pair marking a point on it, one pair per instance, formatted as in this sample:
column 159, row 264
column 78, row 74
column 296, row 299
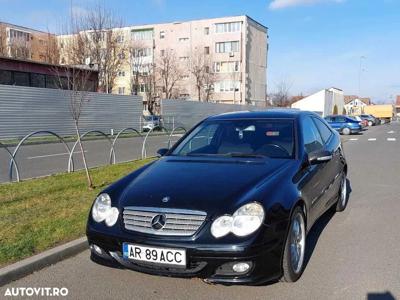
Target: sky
column 313, row 44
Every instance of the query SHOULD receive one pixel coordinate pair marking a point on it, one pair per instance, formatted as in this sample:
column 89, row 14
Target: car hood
column 198, row 183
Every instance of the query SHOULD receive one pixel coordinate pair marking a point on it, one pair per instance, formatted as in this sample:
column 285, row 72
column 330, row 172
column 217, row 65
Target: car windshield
column 240, row 138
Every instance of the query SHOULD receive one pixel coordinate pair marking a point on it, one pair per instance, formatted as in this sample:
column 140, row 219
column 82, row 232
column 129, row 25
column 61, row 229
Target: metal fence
column 183, row 113
column 27, row 109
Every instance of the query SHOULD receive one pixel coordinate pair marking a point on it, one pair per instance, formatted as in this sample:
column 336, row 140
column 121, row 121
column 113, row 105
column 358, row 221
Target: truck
column 384, row 112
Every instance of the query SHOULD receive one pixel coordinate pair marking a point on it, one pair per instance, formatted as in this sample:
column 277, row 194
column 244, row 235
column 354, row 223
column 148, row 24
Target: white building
column 322, row 102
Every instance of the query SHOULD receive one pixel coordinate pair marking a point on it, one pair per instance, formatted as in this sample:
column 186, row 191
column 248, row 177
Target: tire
column 370, row 123
column 294, row 246
column 342, row 197
column 346, row 131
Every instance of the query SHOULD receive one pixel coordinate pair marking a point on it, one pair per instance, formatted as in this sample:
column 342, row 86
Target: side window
column 323, row 129
column 311, row 137
column 340, row 119
column 202, row 139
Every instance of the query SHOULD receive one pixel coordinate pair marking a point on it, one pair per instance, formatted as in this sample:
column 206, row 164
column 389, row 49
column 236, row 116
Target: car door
column 334, row 166
column 316, row 175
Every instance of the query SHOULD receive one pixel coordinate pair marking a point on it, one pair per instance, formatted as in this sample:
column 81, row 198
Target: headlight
column 247, row 219
column 244, row 221
column 221, row 226
column 102, row 210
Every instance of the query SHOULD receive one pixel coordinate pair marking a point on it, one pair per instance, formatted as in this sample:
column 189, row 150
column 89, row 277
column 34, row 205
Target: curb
column 35, row 263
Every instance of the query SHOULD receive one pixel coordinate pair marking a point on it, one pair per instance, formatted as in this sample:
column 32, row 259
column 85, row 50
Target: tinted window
column 38, row 80
column 21, row 78
column 262, row 137
column 311, row 137
column 323, row 129
column 5, row 77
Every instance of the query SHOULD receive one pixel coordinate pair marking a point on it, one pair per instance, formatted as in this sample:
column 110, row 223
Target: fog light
column 240, row 267
column 97, row 249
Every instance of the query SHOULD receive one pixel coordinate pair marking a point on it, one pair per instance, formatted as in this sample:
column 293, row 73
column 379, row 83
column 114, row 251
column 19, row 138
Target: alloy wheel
column 297, row 243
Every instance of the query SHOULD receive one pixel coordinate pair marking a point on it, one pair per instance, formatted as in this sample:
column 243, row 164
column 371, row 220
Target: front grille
column 179, row 222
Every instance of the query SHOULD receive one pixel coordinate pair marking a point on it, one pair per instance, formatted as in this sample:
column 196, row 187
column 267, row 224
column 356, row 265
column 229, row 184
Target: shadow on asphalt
column 319, row 226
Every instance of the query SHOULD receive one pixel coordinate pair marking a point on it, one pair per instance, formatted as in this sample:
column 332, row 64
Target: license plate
column 156, row 255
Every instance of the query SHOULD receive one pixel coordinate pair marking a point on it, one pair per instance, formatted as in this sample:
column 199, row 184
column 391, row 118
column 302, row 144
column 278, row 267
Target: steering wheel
column 280, row 148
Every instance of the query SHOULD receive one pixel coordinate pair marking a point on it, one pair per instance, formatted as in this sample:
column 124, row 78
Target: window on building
column 184, row 58
column 184, row 39
column 184, row 77
column 227, row 27
column 227, row 86
column 226, row 66
column 21, row 78
column 121, row 90
column 120, row 39
column 143, row 34
column 207, row 69
column 121, row 55
column 121, row 73
column 162, row 34
column 142, row 52
column 206, row 50
column 206, row 30
column 162, row 52
column 38, row 80
column 5, row 77
column 226, row 47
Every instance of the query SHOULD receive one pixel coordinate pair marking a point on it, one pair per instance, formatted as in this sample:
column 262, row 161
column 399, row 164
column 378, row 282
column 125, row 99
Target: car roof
column 273, row 113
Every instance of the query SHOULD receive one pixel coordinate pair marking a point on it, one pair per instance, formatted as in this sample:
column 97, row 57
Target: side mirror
column 162, row 151
column 318, row 157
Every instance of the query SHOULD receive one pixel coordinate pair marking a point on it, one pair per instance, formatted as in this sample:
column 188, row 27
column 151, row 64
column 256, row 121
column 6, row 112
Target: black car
column 231, row 202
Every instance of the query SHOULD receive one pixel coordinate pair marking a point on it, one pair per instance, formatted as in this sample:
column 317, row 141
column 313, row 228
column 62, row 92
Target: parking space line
column 391, row 131
column 354, row 139
column 372, row 139
column 391, row 139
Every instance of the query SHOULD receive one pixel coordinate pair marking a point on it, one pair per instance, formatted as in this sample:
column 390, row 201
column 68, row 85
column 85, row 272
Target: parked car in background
column 364, row 123
column 370, row 119
column 344, row 124
column 150, row 122
column 231, row 202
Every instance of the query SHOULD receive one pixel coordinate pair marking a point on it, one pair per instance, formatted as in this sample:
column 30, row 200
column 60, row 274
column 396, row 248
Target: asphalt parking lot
column 351, row 255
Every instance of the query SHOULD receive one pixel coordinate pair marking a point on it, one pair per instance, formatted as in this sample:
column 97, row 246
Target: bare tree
column 3, row 42
column 151, row 88
column 96, row 36
column 281, row 96
column 201, row 69
column 169, row 73
column 20, row 49
column 76, row 83
column 52, row 50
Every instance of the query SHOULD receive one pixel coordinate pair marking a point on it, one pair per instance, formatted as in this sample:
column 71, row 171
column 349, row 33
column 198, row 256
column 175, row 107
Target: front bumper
column 213, row 263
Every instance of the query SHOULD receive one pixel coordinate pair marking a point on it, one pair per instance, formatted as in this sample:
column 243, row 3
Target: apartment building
column 26, row 43
column 237, row 48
